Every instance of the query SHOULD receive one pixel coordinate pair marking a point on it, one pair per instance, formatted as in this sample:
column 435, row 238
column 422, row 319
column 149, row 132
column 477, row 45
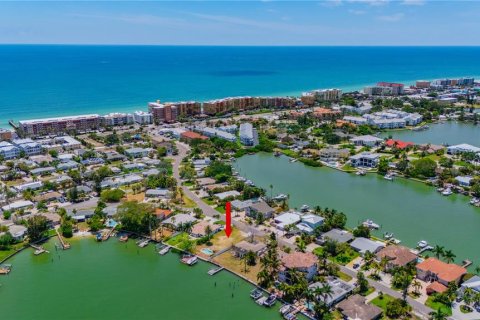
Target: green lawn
column 178, row 239
column 438, row 305
column 220, row 209
column 382, row 301
column 344, row 276
column 370, row 290
column 208, row 201
column 343, row 258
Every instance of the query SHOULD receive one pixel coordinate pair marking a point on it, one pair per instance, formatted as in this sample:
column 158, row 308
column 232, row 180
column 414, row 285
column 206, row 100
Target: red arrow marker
column 228, row 219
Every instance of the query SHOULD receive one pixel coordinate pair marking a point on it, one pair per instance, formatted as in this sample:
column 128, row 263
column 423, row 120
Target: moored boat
column 361, row 173
column 255, row 294
column 123, row 238
column 143, row 243
column 189, row 259
column 447, row 192
column 422, row 244
column 271, row 300
column 370, row 224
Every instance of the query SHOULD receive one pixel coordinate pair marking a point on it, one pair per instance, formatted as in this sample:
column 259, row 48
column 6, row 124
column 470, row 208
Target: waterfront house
column 198, row 230
column 397, row 256
column 248, row 134
column 398, row 144
column 333, row 154
column 309, row 223
column 433, row 269
column 239, row 205
column 462, row 148
column 179, row 219
column 339, row 290
column 355, row 307
column 338, row 235
column 366, row 141
column 17, row 231
column 355, row 120
column 365, row 160
column 472, row 283
column 362, row 245
column 286, row 219
column 260, row 207
column 241, row 248
column 305, row 262
column 464, row 181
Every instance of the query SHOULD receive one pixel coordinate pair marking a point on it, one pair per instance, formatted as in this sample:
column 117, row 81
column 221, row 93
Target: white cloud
column 357, row 12
column 371, row 2
column 392, row 18
column 413, row 2
column 331, row 3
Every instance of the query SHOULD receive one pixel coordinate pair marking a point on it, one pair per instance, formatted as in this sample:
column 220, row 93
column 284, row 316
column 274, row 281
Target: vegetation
column 137, row 217
column 112, row 195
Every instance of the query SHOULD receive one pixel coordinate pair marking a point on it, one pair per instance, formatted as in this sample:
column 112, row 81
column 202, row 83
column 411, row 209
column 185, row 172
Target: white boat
column 304, row 208
column 189, row 259
column 474, row 201
column 447, row 192
column 164, row 250
column 293, row 160
column 388, row 177
column 280, row 197
column 270, row 300
column 422, row 244
column 143, row 243
column 388, row 235
column 440, row 189
column 361, row 173
column 370, row 224
column 249, row 183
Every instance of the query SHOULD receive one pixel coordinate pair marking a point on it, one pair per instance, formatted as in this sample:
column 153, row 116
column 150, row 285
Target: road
column 419, row 308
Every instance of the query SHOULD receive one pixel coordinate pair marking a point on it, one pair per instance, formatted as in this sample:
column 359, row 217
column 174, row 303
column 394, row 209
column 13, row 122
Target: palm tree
column 437, row 315
column 477, row 269
column 468, row 295
column 449, row 256
column 416, row 286
column 323, row 292
column 438, row 251
column 208, row 231
column 271, row 191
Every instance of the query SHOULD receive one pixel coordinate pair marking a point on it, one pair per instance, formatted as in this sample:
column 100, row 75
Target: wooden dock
column 38, row 249
column 65, row 245
column 214, row 271
column 107, row 235
column 466, row 263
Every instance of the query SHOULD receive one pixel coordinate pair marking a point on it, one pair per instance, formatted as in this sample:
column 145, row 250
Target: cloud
column 371, row 2
column 331, row 3
column 357, row 12
column 392, row 18
column 141, row 19
column 413, row 2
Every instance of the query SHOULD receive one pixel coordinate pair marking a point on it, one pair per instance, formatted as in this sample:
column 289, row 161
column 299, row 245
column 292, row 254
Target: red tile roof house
column 435, row 270
column 399, row 144
column 398, row 256
column 306, row 263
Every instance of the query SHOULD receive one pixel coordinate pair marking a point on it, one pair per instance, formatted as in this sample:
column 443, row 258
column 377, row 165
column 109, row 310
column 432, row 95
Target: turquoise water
column 449, row 133
column 43, row 81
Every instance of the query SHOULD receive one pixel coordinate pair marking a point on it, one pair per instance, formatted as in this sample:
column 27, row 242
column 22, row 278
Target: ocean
column 53, row 80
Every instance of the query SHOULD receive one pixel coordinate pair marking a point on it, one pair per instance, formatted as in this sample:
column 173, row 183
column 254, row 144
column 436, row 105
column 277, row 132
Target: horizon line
column 235, row 45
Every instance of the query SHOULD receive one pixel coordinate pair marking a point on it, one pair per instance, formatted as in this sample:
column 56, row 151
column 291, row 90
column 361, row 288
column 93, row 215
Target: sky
column 324, row 23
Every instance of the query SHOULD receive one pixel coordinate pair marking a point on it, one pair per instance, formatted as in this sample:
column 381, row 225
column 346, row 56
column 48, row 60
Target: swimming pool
column 207, row 251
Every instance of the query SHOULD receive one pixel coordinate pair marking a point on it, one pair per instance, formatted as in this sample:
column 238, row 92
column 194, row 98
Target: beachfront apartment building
column 385, row 89
column 162, row 113
column 142, row 117
column 365, row 160
column 442, row 83
column 59, row 125
column 320, row 95
column 116, row 119
column 422, row 84
column 230, row 104
column 248, row 134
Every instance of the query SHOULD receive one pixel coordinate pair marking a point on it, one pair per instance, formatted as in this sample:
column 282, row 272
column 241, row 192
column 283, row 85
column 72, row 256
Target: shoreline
column 130, row 108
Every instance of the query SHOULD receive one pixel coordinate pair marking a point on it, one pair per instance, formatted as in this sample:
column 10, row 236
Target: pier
column 65, row 245
column 214, row 271
column 38, row 249
column 108, row 234
column 466, row 263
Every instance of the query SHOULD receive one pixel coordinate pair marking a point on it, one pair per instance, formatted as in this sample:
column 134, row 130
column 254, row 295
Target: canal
column 411, row 210
column 113, row 280
column 450, row 132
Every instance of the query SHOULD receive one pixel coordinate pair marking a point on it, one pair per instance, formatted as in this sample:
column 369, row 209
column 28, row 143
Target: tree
column 449, row 256
column 6, row 240
column 66, row 227
column 137, row 217
column 251, row 258
column 396, row 309
column 424, row 167
column 37, row 227
column 161, row 152
column 361, row 231
column 437, row 315
column 362, row 282
column 383, row 166
column 438, row 251
column 112, row 195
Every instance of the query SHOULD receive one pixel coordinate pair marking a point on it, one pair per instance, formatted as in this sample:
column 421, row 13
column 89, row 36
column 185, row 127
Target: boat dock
column 65, row 245
column 108, row 234
column 38, row 249
column 214, row 271
column 466, row 263
column 427, row 248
